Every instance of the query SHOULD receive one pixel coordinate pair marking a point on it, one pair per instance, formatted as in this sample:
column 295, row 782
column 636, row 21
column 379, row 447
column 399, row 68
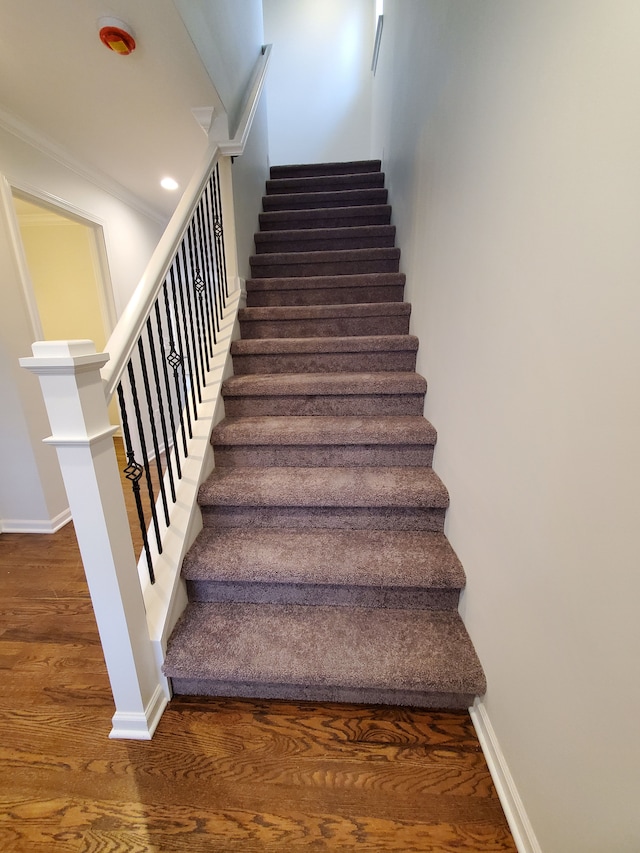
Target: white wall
column 228, row 36
column 319, row 88
column 511, row 140
column 32, row 495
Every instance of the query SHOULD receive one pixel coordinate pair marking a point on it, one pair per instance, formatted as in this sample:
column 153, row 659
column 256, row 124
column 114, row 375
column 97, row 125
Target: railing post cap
column 62, row 349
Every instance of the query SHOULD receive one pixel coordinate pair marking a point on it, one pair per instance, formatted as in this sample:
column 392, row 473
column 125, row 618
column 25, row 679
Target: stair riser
column 328, row 296
column 305, row 456
column 203, row 687
column 325, row 244
column 324, row 183
column 343, row 518
column 320, row 328
column 351, row 362
column 362, row 266
column 316, row 201
column 330, row 405
column 351, row 167
column 324, row 594
column 339, row 217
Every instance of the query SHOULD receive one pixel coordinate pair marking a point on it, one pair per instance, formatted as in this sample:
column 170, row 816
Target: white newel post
column 69, row 373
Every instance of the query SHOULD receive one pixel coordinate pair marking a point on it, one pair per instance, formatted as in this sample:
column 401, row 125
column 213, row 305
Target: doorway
column 67, row 280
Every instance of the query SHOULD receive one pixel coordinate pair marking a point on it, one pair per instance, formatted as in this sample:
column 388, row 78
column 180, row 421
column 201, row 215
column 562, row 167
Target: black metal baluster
column 145, row 455
column 184, row 330
column 216, row 243
column 176, row 360
column 208, row 233
column 221, row 226
column 161, row 408
column 198, row 289
column 189, row 333
column 204, row 272
column 167, row 385
column 133, row 473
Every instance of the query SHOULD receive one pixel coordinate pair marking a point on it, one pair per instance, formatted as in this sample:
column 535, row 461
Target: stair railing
column 165, row 363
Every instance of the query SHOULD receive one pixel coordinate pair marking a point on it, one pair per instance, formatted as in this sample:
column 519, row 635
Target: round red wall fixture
column 117, row 36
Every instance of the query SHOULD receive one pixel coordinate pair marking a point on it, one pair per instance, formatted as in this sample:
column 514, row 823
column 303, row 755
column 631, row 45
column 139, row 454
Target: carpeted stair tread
column 347, row 167
column 324, row 383
column 388, row 650
column 325, row 290
column 336, row 262
column 324, row 183
column 324, row 430
column 314, row 201
column 349, row 343
column 325, row 312
column 383, row 558
column 325, row 217
column 324, row 487
column 325, row 239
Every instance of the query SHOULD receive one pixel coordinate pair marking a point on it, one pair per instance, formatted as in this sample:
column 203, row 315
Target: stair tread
column 330, row 198
column 324, row 487
column 329, row 168
column 330, row 344
column 312, row 430
column 325, row 256
column 272, row 220
column 318, row 282
column 325, row 383
column 314, row 312
column 338, row 557
column 321, row 183
column 323, row 233
column 377, row 648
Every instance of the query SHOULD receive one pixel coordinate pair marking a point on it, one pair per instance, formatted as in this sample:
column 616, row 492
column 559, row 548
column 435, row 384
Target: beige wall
column 511, row 139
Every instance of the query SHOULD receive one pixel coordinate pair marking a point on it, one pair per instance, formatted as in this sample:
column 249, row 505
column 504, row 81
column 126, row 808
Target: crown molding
column 26, row 133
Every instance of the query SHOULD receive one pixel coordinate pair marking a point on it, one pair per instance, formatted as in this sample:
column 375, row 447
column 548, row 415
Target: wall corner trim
column 517, row 818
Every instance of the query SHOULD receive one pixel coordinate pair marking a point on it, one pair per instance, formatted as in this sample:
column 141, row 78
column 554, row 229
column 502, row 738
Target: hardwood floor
column 219, row 774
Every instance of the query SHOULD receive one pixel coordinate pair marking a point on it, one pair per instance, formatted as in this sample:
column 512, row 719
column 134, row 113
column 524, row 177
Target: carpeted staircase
column 322, row 571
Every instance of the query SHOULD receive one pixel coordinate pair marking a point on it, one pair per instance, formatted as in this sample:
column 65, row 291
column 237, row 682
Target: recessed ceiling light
column 169, row 184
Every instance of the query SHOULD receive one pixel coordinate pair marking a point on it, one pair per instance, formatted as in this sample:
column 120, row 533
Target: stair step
column 346, row 498
column 328, row 217
column 373, row 655
column 325, row 290
column 324, row 441
column 325, row 183
column 325, row 239
column 301, row 321
column 313, row 201
column 383, row 393
column 337, row 262
column 366, row 568
column 305, row 170
column 331, row 354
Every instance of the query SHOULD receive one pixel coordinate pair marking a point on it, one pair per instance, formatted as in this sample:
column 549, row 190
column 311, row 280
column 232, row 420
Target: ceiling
column 128, row 117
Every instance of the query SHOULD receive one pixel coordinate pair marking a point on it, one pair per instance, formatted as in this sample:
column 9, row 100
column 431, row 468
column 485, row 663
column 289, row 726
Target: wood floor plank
column 220, row 774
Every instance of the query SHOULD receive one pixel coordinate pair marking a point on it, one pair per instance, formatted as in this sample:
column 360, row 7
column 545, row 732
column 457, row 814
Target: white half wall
column 510, row 134
column 319, row 86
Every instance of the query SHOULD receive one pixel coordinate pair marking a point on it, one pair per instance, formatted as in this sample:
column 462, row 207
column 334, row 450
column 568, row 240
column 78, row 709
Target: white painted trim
column 48, row 525
column 517, row 818
column 140, row 726
column 18, row 127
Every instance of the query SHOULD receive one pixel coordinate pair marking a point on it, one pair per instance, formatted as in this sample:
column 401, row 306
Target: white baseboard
column 140, row 726
column 519, row 824
column 46, row 525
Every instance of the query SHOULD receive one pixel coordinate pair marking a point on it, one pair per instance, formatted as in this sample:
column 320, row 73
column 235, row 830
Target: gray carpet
column 323, row 572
